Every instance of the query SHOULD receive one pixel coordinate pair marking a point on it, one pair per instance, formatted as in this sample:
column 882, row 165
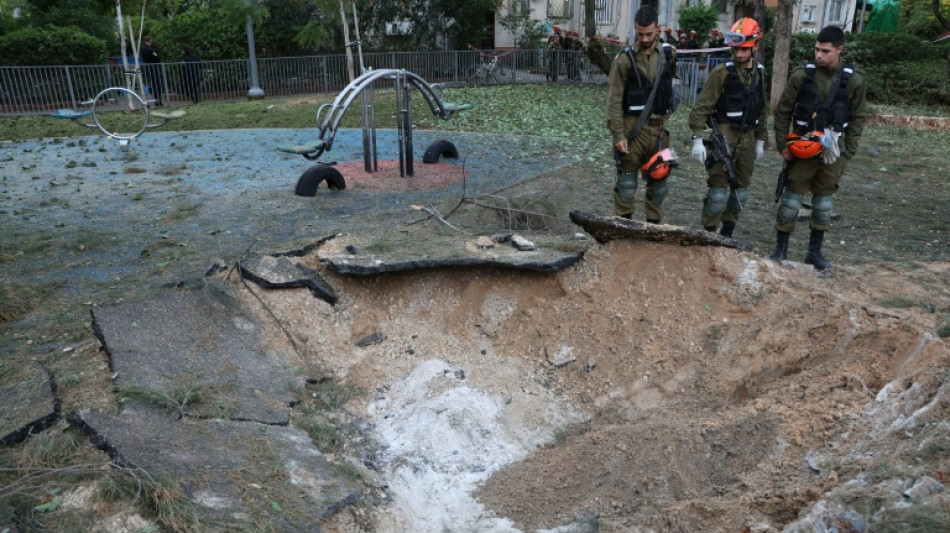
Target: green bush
column 51, row 45
column 207, row 32
column 900, row 68
column 700, row 18
column 911, row 81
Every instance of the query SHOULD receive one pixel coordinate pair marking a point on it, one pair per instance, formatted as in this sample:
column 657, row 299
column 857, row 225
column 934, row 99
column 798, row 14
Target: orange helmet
column 804, row 146
column 745, row 33
column 658, row 167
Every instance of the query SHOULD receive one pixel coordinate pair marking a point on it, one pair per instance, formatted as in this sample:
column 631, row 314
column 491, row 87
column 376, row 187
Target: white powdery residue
column 443, row 438
column 750, row 274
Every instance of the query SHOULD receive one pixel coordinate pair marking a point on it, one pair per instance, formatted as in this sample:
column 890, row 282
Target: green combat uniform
column 797, row 113
column 742, row 125
column 812, row 175
column 621, row 122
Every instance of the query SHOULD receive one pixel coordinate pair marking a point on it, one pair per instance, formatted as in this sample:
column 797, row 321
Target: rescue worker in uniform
column 717, row 40
column 735, row 95
column 693, row 43
column 633, row 74
column 818, row 124
column 667, row 36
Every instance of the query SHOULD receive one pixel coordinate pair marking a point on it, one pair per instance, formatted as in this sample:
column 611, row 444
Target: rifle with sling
column 719, row 152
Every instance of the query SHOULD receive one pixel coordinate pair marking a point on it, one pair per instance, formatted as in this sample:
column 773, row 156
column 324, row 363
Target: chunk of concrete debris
column 604, row 229
column 563, row 356
column 304, row 483
column 923, row 486
column 373, row 338
column 484, row 243
column 28, row 404
column 197, row 343
column 522, row 244
column 281, row 273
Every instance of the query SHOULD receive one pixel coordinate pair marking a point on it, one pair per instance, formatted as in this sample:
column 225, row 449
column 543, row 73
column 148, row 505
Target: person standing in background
column 152, row 68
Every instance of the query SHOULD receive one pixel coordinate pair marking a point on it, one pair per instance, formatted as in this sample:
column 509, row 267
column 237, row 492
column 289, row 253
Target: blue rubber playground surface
column 79, row 211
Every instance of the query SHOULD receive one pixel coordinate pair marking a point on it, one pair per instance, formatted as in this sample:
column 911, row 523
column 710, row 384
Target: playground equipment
column 122, row 97
column 330, row 115
column 117, row 97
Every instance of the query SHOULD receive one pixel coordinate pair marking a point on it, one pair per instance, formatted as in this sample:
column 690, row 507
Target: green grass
column 17, row 299
column 176, row 399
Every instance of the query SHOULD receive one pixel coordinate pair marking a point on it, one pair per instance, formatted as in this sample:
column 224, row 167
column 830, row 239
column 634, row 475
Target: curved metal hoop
column 121, row 137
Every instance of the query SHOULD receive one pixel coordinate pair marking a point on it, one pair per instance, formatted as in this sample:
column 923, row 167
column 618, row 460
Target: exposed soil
column 699, row 386
column 651, row 387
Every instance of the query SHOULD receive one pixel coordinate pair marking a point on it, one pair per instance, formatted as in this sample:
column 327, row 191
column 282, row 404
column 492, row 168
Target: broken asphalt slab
column 352, row 254
column 197, row 343
column 281, row 273
column 30, row 403
column 230, row 471
column 608, row 228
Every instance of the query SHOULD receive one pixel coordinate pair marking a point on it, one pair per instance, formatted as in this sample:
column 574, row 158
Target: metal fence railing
column 35, row 90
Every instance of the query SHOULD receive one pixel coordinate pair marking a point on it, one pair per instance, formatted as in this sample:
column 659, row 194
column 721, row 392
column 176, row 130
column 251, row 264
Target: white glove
column 759, row 149
column 830, row 151
column 699, row 150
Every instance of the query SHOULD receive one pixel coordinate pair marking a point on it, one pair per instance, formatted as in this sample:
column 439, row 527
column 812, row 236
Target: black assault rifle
column 780, row 185
column 719, row 152
column 782, row 178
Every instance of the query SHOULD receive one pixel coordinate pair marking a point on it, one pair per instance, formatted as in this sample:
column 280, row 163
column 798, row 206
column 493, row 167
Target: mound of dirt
column 649, row 387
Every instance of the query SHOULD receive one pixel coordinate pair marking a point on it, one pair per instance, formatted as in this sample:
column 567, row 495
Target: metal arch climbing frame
column 329, row 116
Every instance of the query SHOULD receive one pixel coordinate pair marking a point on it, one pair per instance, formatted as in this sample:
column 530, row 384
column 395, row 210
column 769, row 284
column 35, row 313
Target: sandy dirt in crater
column 651, row 386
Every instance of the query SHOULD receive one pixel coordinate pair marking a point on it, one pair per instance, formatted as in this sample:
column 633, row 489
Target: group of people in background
column 566, row 65
column 818, row 123
column 154, row 76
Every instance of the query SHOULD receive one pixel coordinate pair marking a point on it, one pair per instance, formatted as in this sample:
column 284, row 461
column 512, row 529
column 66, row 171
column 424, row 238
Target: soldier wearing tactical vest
column 735, row 95
column 635, row 118
column 818, row 125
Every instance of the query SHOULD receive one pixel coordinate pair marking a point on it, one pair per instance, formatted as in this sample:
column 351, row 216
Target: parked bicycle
column 489, row 69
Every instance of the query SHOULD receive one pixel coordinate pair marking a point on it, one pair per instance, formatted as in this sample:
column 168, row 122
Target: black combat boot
column 781, row 246
column 653, row 220
column 710, row 229
column 727, row 228
column 814, row 257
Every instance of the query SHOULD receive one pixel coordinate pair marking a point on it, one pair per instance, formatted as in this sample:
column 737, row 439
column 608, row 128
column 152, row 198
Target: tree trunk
column 760, row 18
column 783, row 38
column 346, row 42
column 593, row 48
column 939, row 15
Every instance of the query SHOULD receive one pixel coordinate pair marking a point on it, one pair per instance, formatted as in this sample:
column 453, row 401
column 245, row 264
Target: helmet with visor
column 745, row 34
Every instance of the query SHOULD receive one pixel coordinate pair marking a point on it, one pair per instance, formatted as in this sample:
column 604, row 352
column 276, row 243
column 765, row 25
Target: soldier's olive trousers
column 821, row 180
column 641, row 150
column 722, row 204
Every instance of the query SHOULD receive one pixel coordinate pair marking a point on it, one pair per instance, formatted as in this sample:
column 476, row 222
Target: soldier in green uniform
column 827, row 100
column 633, row 75
column 735, row 95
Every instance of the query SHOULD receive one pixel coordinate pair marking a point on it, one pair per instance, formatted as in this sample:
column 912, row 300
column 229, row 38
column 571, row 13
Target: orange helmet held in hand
column 658, row 167
column 804, row 146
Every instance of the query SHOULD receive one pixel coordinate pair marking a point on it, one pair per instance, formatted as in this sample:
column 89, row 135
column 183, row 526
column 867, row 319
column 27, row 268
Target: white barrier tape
column 701, row 50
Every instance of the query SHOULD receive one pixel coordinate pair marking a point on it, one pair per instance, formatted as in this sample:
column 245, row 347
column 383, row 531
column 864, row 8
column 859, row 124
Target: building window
column 836, row 11
column 559, row 9
column 809, row 13
column 518, row 7
column 603, row 11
